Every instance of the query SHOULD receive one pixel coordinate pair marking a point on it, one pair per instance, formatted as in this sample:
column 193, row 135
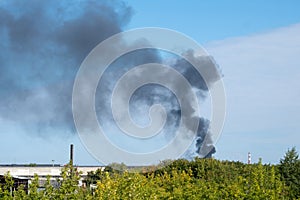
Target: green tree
column 93, row 177
column 116, row 167
column 20, row 193
column 7, row 187
column 33, row 188
column 1, row 192
column 49, row 191
column 289, row 168
column 69, row 182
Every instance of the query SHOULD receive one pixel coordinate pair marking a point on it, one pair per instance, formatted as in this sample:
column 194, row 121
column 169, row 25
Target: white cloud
column 262, row 79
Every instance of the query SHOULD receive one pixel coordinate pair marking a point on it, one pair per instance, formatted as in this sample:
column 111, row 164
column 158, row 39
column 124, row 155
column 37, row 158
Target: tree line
column 179, row 179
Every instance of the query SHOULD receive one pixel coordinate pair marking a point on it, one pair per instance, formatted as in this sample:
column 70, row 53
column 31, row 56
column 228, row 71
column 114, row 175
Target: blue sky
column 207, row 21
column 257, row 46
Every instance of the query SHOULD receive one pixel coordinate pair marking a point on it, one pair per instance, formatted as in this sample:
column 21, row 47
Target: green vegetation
column 289, row 168
column 181, row 179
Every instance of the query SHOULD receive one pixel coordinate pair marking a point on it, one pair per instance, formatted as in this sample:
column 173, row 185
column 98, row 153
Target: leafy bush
column 181, row 179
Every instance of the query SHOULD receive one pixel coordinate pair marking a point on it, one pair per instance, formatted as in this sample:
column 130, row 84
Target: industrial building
column 23, row 174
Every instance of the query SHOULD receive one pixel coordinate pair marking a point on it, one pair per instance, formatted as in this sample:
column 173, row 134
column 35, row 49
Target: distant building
column 23, row 174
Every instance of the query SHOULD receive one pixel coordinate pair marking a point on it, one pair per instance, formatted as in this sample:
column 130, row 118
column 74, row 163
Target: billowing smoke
column 43, row 44
column 151, row 94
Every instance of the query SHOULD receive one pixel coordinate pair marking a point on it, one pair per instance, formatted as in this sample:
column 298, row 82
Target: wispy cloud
column 262, row 74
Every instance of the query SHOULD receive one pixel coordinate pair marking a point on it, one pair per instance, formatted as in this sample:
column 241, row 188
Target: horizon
column 256, row 45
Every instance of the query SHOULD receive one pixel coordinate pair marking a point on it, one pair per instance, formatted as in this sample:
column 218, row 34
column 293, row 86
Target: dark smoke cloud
column 212, row 72
column 148, row 95
column 43, row 44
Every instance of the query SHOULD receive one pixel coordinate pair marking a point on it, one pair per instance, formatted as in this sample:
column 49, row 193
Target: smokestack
column 71, row 154
column 249, row 158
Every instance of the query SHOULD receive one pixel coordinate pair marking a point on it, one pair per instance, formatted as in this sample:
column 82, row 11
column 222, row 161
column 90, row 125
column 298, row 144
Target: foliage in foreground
column 181, row 179
column 200, row 179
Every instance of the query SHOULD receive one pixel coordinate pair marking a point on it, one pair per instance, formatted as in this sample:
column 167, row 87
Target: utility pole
column 71, row 153
column 249, row 158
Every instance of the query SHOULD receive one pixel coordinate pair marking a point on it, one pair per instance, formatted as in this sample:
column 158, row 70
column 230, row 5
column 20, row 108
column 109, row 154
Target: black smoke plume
column 43, row 44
